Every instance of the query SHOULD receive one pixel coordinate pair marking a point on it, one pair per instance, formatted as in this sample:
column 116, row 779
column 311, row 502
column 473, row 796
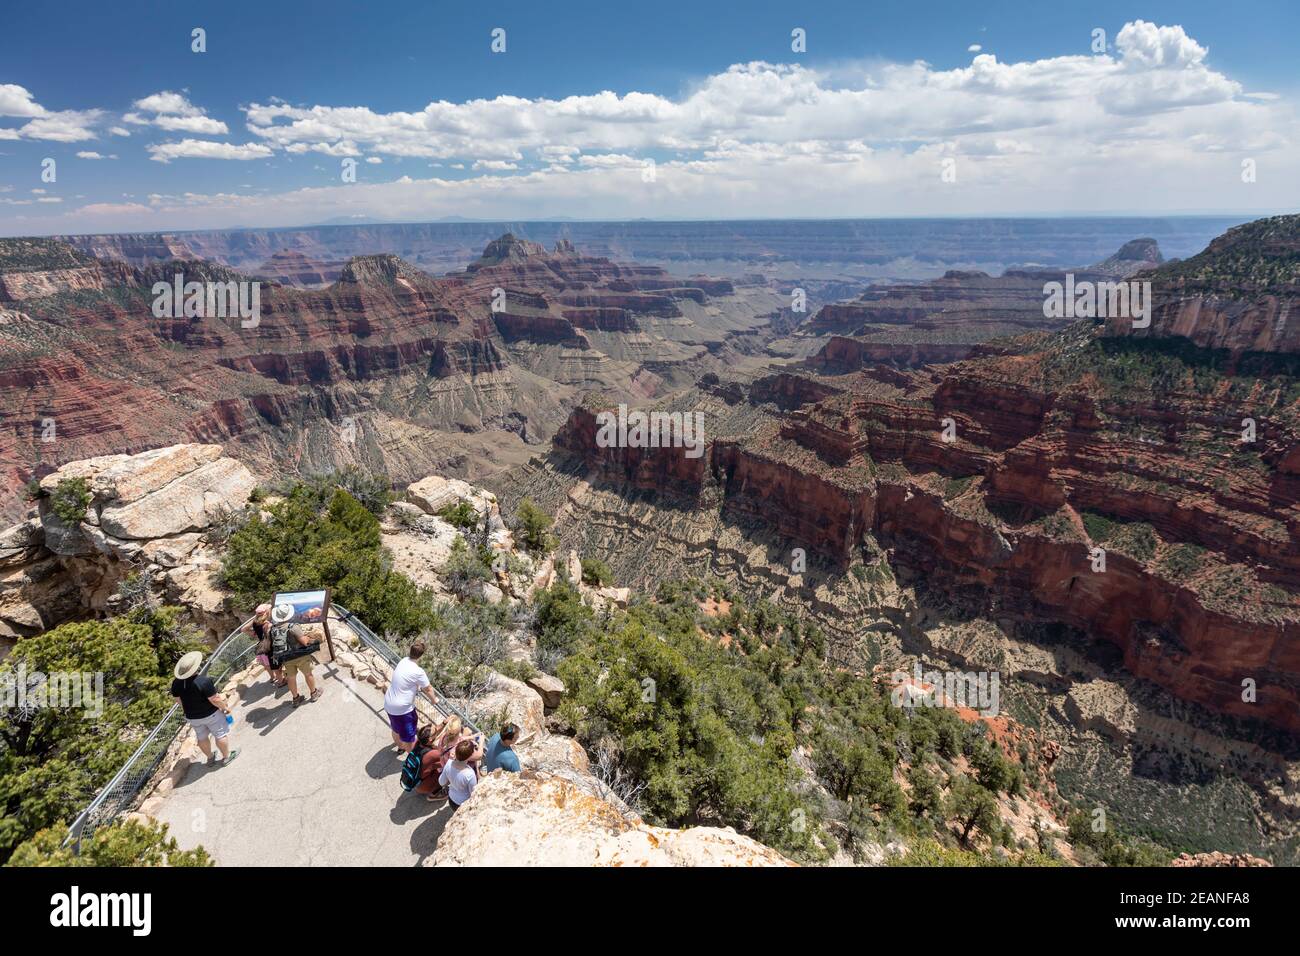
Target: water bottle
column 230, row 720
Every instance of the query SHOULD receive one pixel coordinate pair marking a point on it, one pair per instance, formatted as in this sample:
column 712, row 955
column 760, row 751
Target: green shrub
column 704, row 736
column 531, row 526
column 931, row 853
column 465, row 566
column 120, row 844
column 1111, row 847
column 53, row 759
column 1182, row 560
column 460, row 515
column 596, row 573
column 70, row 499
column 373, row 491
column 302, row 546
column 562, row 621
column 972, row 808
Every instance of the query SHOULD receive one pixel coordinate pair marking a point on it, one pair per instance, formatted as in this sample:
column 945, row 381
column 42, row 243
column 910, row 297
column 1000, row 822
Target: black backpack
column 411, row 768
column 285, row 643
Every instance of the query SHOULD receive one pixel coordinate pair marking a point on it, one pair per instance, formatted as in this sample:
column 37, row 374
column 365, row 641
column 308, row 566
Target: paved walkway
column 315, row 786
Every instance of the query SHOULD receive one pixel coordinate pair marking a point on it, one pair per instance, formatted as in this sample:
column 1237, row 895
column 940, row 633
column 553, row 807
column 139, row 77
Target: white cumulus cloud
column 204, row 149
column 175, row 113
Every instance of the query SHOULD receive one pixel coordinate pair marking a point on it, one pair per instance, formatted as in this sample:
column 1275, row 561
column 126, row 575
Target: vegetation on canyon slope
column 1263, row 255
column 53, row 759
column 709, row 715
column 321, row 536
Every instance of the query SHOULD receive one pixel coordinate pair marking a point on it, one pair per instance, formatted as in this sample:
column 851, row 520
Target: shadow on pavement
column 424, row 839
column 266, row 719
column 383, row 764
column 412, row 806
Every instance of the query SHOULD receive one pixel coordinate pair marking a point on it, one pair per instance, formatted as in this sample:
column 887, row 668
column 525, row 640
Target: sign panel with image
column 304, row 608
column 300, row 607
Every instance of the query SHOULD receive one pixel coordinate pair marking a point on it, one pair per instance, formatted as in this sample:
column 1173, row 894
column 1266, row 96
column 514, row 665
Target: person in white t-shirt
column 459, row 776
column 409, row 679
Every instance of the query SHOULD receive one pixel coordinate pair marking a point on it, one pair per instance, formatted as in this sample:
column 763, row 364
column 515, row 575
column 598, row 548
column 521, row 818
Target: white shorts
column 213, row 725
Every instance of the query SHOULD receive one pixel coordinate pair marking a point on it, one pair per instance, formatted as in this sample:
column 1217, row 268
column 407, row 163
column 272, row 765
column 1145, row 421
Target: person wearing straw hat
column 203, row 707
column 292, row 651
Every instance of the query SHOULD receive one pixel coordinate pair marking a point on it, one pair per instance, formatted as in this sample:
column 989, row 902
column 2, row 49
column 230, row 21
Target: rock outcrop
column 536, row 820
column 953, row 317
column 145, row 515
column 1238, row 295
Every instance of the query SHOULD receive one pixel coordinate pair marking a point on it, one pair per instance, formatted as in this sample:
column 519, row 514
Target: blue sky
column 1011, row 103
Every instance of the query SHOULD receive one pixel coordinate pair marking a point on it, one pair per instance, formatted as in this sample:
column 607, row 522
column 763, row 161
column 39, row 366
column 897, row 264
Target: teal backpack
column 411, row 768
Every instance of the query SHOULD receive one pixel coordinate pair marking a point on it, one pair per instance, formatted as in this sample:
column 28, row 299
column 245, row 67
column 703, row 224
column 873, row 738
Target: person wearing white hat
column 292, row 650
column 203, row 707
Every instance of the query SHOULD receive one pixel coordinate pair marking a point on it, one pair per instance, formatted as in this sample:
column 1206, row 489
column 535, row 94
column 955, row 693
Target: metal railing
column 140, row 767
column 391, row 655
column 234, row 652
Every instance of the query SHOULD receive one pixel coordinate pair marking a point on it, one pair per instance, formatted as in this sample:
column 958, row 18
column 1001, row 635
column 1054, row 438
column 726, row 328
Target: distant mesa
column 509, row 248
column 1133, row 257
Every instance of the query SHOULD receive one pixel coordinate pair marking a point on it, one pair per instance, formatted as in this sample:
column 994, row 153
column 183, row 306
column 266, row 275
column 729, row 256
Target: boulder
column 619, row 596
column 555, row 755
column 171, row 552
column 434, row 493
column 191, row 502
column 21, row 542
column 545, row 576
column 535, row 820
column 404, row 509
column 521, row 704
column 135, row 476
column 551, row 688
column 64, row 538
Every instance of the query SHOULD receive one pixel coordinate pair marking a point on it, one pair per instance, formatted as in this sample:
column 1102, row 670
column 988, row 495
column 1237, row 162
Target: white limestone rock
column 535, row 820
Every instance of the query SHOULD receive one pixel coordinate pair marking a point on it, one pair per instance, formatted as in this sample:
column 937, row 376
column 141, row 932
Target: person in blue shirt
column 500, row 751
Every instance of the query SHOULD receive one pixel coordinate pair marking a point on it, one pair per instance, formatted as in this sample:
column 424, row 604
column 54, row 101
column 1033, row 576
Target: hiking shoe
column 315, row 696
column 299, row 700
column 233, row 755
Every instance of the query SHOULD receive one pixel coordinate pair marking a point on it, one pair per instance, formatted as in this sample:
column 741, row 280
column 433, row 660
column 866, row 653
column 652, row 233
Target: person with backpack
column 458, row 776
column 421, row 765
column 259, row 629
column 203, row 707
column 408, row 680
column 293, row 651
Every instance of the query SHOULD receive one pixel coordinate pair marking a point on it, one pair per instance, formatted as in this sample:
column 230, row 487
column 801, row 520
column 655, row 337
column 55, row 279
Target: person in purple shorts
column 409, row 679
